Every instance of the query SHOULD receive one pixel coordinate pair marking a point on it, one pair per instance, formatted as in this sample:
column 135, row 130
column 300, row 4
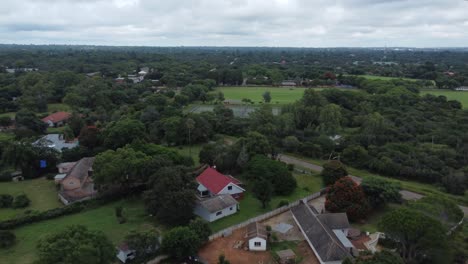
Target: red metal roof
column 57, row 117
column 214, row 180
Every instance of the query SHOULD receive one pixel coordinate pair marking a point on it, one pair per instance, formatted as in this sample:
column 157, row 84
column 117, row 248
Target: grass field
column 278, row 94
column 102, row 218
column 461, row 96
column 191, row 151
column 384, row 78
column 41, row 192
column 251, row 207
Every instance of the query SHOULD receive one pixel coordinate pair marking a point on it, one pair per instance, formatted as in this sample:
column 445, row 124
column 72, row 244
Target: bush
column 7, row 239
column 332, row 171
column 6, row 200
column 21, row 201
column 5, row 175
column 283, row 203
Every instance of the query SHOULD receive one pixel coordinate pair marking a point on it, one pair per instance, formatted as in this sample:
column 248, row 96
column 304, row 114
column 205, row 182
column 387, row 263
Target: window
column 230, row 208
column 219, row 213
column 230, row 187
column 257, row 244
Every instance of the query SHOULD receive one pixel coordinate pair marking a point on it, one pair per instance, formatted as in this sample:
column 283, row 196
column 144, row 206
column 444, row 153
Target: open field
column 41, row 192
column 58, row 107
column 102, row 218
column 461, row 96
column 191, row 151
column 279, row 95
column 251, row 207
column 384, row 78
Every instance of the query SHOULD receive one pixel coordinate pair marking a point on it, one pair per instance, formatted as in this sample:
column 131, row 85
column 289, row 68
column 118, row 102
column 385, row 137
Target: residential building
column 289, row 83
column 257, row 236
column 124, row 253
column 325, row 234
column 462, row 88
column 211, row 182
column 214, row 208
column 78, row 185
column 56, row 119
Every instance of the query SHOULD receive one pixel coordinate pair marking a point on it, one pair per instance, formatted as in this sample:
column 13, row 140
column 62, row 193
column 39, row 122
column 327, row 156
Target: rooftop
column 55, row 141
column 215, row 181
column 56, row 117
column 217, row 203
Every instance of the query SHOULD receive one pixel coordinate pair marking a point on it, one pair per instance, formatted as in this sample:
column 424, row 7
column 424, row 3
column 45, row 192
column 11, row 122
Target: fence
column 277, row 211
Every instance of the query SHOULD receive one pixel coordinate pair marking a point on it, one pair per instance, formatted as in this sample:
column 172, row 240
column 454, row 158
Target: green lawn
column 41, row 192
column 279, row 95
column 461, row 96
column 58, row 107
column 251, row 207
column 191, row 151
column 384, row 78
column 102, row 218
column 9, row 114
column 6, row 136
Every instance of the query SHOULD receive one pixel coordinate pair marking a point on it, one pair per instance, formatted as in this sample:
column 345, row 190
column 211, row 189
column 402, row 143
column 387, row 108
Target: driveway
column 405, row 194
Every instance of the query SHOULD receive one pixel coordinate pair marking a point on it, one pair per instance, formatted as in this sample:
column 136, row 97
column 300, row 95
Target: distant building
column 462, row 88
column 56, row 141
column 214, row 208
column 257, row 236
column 288, row 83
column 78, row 185
column 56, row 119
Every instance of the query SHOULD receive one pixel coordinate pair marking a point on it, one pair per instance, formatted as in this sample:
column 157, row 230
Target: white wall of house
column 231, row 189
column 257, row 244
column 210, row 217
column 126, row 255
column 201, row 188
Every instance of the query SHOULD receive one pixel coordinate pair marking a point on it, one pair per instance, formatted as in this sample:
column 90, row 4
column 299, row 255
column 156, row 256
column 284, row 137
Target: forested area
column 382, row 126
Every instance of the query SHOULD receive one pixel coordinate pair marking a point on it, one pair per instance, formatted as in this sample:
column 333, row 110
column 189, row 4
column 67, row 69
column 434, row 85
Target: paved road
column 405, row 194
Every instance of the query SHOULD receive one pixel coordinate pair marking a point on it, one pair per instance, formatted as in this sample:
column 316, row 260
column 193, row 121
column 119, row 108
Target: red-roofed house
column 211, row 182
column 56, row 119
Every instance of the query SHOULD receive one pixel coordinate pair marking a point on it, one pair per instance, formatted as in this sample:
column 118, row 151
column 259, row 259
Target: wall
column 210, row 217
column 257, row 239
column 265, row 216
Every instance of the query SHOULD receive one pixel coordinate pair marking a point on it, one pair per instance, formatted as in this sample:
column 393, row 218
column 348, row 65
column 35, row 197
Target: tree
column 345, row 196
column 6, row 200
column 356, row 155
column 291, row 143
column 330, row 119
column 415, row 233
column 89, row 137
column 220, row 96
column 190, row 125
column 144, row 242
column 180, row 242
column 379, row 191
column 256, row 143
column 76, row 123
column 7, row 239
column 118, row 134
column 21, row 201
column 76, row 244
column 382, row 257
column 332, row 171
column 123, row 166
column 263, row 191
column 201, row 228
column 266, row 96
column 27, row 119
column 171, row 196
column 272, row 171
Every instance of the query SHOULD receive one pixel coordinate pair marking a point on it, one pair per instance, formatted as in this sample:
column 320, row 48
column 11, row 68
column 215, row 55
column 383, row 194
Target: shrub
column 6, row 200
column 333, row 171
column 5, row 175
column 283, row 203
column 7, row 239
column 21, row 201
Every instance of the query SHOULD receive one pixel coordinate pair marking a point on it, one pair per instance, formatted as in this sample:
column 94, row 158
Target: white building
column 214, row 208
column 257, row 236
column 211, row 182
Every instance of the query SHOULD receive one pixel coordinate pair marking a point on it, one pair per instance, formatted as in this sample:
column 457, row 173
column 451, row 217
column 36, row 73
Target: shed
column 257, row 236
column 286, row 256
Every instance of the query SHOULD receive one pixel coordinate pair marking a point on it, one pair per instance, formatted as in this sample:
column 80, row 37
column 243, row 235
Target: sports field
column 279, row 95
column 461, row 96
column 384, row 78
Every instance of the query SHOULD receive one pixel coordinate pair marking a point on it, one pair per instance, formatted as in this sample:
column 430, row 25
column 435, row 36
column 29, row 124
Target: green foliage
column 355, row 155
column 266, row 96
column 7, row 239
column 201, row 228
column 263, row 191
column 76, row 244
column 26, row 119
column 345, row 196
column 379, row 191
column 382, row 257
column 272, row 171
column 145, row 243
column 439, row 208
column 330, row 119
column 332, row 171
column 6, row 200
column 222, row 260
column 416, row 233
column 180, row 242
column 120, row 133
column 171, row 196
column 21, row 201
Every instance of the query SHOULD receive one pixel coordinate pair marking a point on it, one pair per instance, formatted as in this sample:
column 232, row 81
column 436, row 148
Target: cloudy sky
column 292, row 23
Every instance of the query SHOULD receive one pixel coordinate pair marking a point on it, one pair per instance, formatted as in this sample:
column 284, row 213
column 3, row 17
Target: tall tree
column 263, row 191
column 332, row 171
column 345, row 196
column 379, row 191
column 266, row 96
column 330, row 119
column 180, row 242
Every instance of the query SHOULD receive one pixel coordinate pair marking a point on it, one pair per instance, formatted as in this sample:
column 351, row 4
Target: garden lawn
column 461, row 96
column 9, row 114
column 279, row 95
column 251, row 207
column 58, row 107
column 384, row 78
column 191, row 151
column 102, row 218
column 6, row 136
column 55, row 130
column 41, row 192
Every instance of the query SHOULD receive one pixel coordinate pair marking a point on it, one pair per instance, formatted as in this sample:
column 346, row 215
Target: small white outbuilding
column 257, row 237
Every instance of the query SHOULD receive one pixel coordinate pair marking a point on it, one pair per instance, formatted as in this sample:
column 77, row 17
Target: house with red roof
column 56, row 119
column 211, row 183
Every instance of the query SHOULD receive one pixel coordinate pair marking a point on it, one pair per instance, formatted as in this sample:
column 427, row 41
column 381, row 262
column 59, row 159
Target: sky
column 274, row 23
